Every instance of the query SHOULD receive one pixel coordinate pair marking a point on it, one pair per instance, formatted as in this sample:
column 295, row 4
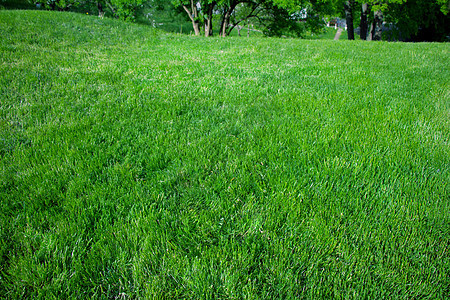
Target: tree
column 192, row 9
column 61, row 5
column 376, row 28
column 348, row 8
column 125, row 9
column 200, row 12
column 371, row 21
column 208, row 17
column 310, row 13
column 233, row 12
column 364, row 24
column 243, row 13
column 274, row 17
column 121, row 9
column 418, row 20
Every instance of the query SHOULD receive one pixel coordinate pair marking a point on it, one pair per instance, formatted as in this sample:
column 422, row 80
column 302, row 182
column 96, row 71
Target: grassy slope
column 137, row 163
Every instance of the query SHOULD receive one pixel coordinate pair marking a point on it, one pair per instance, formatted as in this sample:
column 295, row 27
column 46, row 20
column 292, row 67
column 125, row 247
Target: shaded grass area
column 136, row 163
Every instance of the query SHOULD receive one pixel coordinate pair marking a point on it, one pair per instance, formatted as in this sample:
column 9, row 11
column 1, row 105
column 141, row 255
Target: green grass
column 141, row 164
column 327, row 34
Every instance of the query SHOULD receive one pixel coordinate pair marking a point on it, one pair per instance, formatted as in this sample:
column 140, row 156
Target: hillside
column 141, row 164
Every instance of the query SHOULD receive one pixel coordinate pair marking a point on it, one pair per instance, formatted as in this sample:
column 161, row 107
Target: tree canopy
column 415, row 20
column 273, row 17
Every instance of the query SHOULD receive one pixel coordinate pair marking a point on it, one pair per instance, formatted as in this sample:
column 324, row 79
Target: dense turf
column 135, row 163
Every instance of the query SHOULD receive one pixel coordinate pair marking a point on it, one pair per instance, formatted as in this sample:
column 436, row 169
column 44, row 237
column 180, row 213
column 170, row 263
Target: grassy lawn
column 136, row 163
column 327, row 34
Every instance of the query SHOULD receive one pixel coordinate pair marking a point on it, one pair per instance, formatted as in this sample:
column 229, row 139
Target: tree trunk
column 196, row 27
column 225, row 22
column 101, row 13
column 378, row 21
column 237, row 22
column 376, row 27
column 226, row 18
column 364, row 25
column 208, row 29
column 208, row 23
column 193, row 15
column 348, row 8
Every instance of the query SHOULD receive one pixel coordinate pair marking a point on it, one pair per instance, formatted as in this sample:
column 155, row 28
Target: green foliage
column 163, row 15
column 279, row 22
column 271, row 17
column 444, row 5
column 419, row 20
column 61, row 5
column 140, row 164
column 126, row 9
column 16, row 4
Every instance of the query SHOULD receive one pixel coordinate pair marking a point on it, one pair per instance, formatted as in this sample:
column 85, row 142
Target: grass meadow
column 141, row 164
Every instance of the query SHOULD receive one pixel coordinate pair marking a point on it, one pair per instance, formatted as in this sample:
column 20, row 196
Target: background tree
column 192, row 8
column 274, row 17
column 364, row 23
column 348, row 9
column 234, row 12
column 125, row 9
column 310, row 13
column 244, row 13
column 418, row 20
column 61, row 5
